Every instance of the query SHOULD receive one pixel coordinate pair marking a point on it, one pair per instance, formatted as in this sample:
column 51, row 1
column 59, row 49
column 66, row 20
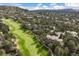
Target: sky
column 36, row 6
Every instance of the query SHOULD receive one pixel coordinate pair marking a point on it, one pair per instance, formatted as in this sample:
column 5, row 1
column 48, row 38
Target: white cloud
column 40, row 6
column 58, row 7
column 22, row 7
column 51, row 6
column 44, row 7
column 72, row 4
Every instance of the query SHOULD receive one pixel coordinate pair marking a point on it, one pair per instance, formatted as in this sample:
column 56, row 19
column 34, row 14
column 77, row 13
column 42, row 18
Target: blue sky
column 35, row 6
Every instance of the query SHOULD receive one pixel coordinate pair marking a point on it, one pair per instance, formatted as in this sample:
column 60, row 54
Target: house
column 73, row 33
column 56, row 38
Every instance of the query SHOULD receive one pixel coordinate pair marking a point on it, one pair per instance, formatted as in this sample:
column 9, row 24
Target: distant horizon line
column 37, row 9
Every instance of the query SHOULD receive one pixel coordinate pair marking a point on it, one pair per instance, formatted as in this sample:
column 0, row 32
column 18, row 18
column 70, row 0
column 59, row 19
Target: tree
column 61, row 51
column 71, row 46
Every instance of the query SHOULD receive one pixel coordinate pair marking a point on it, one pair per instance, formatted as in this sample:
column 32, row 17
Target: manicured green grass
column 25, row 40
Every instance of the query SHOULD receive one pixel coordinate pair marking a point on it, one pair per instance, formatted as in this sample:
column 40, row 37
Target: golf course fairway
column 25, row 40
